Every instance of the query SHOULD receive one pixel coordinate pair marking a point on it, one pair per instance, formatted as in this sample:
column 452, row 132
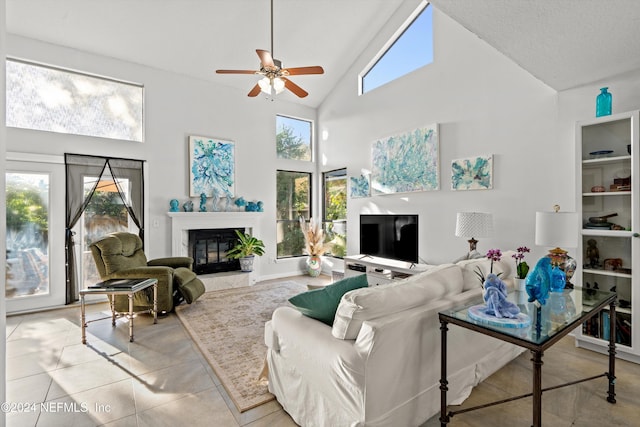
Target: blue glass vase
column 603, row 103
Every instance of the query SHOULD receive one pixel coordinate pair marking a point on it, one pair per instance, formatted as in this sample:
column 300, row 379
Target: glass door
column 105, row 213
column 34, row 236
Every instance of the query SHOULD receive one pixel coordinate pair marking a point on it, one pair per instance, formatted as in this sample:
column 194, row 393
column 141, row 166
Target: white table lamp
column 474, row 224
column 557, row 230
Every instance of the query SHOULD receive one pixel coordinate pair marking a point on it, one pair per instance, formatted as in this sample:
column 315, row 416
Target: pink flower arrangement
column 492, row 255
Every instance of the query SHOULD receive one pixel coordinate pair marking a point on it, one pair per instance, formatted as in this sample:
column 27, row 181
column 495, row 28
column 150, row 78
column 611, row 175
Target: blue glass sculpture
column 174, row 205
column 188, row 206
column 538, row 281
column 603, row 103
column 558, row 279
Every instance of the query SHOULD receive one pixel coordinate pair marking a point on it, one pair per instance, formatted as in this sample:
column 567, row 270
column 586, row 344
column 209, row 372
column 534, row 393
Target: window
column 335, row 211
column 293, row 202
column 51, row 99
column 27, row 265
column 409, row 49
column 293, row 138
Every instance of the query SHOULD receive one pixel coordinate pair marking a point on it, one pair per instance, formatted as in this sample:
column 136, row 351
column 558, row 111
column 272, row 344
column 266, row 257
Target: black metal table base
column 536, row 394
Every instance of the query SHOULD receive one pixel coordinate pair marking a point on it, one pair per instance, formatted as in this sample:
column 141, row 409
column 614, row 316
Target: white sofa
column 379, row 365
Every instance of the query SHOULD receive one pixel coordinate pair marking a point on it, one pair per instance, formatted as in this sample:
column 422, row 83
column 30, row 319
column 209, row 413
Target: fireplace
column 183, row 222
column 209, row 247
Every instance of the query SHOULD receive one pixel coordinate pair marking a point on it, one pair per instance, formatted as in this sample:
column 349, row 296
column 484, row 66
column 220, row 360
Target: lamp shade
column 474, row 224
column 557, row 229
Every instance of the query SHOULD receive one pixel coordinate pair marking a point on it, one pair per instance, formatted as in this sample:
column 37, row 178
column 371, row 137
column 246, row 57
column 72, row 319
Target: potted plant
column 522, row 268
column 315, row 245
column 245, row 250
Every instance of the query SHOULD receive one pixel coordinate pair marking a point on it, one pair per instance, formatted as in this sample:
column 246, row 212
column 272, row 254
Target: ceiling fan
column 275, row 76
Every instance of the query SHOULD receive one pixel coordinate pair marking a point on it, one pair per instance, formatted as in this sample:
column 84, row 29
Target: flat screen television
column 389, row 236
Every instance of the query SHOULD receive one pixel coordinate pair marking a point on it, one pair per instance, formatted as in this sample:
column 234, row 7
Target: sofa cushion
column 371, row 303
column 469, row 267
column 321, row 304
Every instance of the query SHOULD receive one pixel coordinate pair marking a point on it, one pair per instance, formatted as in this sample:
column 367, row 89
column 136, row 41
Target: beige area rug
column 228, row 326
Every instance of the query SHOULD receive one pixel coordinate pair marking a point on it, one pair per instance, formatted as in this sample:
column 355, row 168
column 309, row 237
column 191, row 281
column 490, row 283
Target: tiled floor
column 162, row 380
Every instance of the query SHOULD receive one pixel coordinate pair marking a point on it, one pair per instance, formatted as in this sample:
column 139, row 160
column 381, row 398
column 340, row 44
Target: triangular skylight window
column 409, row 49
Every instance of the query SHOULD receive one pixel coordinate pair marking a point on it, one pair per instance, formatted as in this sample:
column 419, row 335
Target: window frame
column 335, row 173
column 310, row 176
column 74, row 72
column 422, row 7
column 311, row 139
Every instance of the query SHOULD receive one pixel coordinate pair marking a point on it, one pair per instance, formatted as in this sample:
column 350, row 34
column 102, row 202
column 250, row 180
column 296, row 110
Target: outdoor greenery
column 107, row 204
column 291, row 146
column 335, row 195
column 293, row 202
column 27, row 216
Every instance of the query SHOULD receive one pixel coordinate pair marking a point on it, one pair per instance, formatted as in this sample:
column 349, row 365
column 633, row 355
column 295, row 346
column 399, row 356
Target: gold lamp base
column 558, row 256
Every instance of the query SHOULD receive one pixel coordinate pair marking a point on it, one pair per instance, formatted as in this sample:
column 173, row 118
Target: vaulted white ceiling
column 564, row 43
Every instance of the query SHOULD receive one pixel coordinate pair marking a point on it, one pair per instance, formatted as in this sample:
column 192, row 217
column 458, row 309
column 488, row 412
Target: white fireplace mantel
column 182, row 222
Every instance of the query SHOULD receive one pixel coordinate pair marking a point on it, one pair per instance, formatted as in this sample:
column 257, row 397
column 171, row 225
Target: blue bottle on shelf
column 603, row 103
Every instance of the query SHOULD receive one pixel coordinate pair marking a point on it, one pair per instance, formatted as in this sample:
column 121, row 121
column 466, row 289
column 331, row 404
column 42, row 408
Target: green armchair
column 120, row 256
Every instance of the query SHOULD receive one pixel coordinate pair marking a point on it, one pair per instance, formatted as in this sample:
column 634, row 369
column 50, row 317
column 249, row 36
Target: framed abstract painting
column 472, row 173
column 360, row 186
column 406, row 162
column 211, row 167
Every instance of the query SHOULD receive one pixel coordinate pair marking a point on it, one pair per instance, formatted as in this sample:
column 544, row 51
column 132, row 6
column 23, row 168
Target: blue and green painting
column 360, row 186
column 212, row 167
column 473, row 173
column 406, row 162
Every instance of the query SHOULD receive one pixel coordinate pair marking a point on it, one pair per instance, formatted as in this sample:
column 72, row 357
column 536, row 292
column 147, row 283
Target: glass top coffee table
column 562, row 313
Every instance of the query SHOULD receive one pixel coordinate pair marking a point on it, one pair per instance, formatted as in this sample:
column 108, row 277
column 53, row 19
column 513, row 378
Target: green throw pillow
column 321, row 304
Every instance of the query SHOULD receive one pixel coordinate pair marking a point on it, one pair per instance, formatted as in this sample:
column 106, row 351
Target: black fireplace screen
column 209, row 249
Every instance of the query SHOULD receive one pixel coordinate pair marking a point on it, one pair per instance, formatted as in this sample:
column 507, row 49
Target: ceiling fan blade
column 235, row 71
column 265, row 58
column 255, row 91
column 294, row 88
column 304, row 70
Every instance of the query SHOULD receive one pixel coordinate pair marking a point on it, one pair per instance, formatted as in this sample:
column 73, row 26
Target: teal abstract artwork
column 473, row 173
column 360, row 186
column 407, row 162
column 211, row 167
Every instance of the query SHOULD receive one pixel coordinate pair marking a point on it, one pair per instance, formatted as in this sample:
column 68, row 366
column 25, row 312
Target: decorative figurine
column 174, row 205
column 188, row 206
column 251, row 207
column 240, row 202
column 593, row 254
column 260, row 206
column 495, row 296
column 538, row 281
column 203, row 202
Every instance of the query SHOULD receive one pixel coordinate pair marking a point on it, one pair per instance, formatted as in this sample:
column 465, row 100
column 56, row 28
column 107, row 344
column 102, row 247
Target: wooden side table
column 113, row 288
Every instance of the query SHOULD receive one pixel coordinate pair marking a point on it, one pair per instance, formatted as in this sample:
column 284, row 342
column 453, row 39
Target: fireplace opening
column 209, row 248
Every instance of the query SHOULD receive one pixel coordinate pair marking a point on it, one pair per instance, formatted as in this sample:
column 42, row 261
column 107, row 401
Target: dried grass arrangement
column 313, row 237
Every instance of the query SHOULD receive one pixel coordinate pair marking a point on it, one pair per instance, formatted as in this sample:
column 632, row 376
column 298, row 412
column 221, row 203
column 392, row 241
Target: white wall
column 3, row 317
column 580, row 103
column 175, row 107
column 484, row 104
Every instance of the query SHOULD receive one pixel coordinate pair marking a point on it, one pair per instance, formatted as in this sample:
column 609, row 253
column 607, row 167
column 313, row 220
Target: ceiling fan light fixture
column 278, row 85
column 271, row 86
column 265, row 85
